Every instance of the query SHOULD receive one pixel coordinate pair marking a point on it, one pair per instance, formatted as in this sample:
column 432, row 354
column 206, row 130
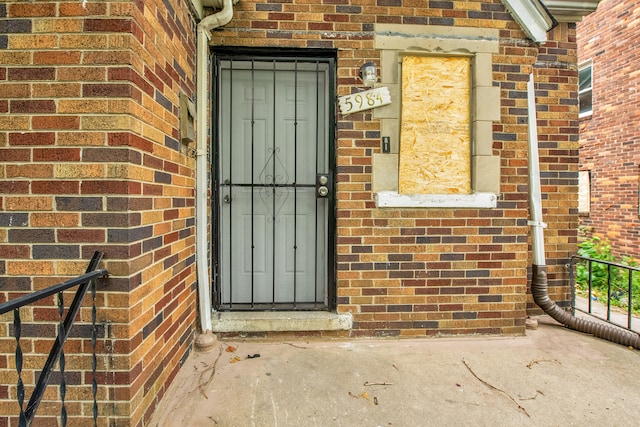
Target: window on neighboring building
column 585, row 91
column 584, row 192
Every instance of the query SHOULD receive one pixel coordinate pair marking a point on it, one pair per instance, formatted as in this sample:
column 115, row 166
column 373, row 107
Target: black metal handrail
column 610, row 273
column 56, row 354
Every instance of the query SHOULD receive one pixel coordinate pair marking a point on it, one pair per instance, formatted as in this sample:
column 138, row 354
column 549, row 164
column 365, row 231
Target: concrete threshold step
column 280, row 321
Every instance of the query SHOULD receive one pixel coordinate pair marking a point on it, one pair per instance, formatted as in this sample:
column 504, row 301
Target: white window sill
column 391, row 199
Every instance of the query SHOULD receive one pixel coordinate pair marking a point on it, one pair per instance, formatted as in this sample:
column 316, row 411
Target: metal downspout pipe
column 539, row 285
column 205, row 26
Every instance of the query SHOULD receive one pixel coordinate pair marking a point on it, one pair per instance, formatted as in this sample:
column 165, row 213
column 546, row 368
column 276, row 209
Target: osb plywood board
column 435, row 139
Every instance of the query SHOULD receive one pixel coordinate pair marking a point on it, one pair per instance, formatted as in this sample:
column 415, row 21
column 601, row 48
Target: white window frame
column 583, row 66
column 584, row 192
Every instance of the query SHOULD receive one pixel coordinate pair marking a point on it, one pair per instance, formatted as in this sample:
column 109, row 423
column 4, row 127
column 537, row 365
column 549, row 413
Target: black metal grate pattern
column 56, row 354
column 273, row 182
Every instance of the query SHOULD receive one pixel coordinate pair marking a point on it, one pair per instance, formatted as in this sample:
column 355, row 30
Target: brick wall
column 609, row 139
column 556, row 95
column 91, row 160
column 416, row 272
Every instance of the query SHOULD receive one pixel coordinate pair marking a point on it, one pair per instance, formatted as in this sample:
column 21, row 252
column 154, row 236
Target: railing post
column 630, row 302
column 94, row 359
column 609, row 292
column 17, row 331
column 61, row 363
column 590, row 283
column 572, row 281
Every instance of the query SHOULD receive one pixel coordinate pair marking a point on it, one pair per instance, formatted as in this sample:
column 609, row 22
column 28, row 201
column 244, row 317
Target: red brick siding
column 411, row 272
column 556, row 95
column 610, row 139
column 91, row 161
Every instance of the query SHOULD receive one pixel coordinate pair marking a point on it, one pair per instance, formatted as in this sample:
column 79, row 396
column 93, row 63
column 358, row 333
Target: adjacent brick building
column 103, row 135
column 609, row 155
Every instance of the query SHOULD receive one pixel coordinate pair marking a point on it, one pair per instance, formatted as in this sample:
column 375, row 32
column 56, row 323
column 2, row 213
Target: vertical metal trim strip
column 274, row 188
column 295, row 182
column 318, row 201
column 253, row 99
column 230, row 272
column 331, row 161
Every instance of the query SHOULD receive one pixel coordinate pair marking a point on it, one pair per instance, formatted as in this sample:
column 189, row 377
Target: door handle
column 227, row 199
column 323, row 191
column 324, row 185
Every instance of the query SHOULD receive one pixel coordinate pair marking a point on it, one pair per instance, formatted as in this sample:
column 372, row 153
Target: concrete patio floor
column 550, row 377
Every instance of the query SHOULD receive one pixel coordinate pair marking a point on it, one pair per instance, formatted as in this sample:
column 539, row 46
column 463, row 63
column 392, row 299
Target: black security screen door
column 274, row 183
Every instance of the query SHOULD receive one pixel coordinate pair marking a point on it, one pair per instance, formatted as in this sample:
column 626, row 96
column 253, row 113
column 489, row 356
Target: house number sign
column 366, row 100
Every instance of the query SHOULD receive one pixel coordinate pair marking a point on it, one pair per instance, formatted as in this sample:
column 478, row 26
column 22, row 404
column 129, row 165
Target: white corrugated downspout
column 535, row 195
column 206, row 339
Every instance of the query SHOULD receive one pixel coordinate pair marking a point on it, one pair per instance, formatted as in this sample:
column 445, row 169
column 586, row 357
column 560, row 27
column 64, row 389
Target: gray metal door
column 274, row 183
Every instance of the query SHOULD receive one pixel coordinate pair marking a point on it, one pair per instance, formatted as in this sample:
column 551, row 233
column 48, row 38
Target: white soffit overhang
column 570, row 10
column 532, row 16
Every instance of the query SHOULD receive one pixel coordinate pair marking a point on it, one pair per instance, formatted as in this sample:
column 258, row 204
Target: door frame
column 285, row 54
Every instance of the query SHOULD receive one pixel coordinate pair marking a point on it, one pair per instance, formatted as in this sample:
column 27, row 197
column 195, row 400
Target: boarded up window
column 435, row 137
